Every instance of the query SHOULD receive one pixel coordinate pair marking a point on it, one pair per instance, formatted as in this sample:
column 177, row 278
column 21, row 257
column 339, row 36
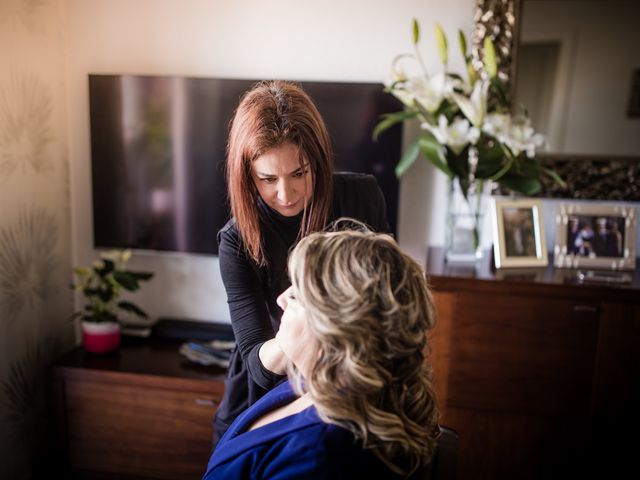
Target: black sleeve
column 247, row 306
column 379, row 221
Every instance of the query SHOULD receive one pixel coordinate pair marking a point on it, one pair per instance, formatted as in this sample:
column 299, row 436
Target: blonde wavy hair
column 369, row 309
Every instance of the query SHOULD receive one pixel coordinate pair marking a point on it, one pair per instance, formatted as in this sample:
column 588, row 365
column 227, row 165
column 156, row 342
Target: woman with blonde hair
column 359, row 401
column 281, row 188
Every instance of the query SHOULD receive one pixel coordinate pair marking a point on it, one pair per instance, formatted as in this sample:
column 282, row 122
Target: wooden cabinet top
column 150, row 361
column 551, row 281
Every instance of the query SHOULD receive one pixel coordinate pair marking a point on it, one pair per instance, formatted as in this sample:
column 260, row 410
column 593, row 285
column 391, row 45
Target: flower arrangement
column 103, row 284
column 468, row 130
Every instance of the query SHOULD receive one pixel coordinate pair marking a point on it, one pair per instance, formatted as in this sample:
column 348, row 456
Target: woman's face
column 294, row 337
column 281, row 182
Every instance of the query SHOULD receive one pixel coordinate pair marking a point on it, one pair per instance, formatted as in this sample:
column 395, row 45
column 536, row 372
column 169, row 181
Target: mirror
column 580, row 80
column 578, row 73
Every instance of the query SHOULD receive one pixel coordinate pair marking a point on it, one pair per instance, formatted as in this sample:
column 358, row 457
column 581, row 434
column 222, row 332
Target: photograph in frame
column 595, row 236
column 519, row 239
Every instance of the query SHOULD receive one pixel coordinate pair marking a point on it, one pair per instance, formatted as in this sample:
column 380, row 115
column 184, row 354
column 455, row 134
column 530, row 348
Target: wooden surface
column 143, row 411
column 539, row 375
column 549, row 281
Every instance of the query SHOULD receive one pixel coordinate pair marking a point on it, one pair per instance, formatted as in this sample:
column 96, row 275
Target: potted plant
column 469, row 130
column 102, row 285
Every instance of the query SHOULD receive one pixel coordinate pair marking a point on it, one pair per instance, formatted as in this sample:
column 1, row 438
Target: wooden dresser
column 538, row 373
column 143, row 411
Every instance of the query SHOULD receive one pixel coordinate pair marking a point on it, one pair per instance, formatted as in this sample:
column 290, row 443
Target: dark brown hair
column 271, row 114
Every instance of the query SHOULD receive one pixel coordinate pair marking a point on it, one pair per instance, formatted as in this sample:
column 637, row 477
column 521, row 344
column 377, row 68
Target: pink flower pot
column 100, row 337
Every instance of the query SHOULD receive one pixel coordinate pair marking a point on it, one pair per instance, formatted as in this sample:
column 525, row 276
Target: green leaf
column 107, row 267
column 490, row 57
column 500, row 89
column 448, row 109
column 105, row 294
column 462, row 41
column 555, row 177
column 390, row 119
column 141, row 276
column 416, row 32
column 127, row 280
column 490, row 159
column 90, row 292
column 464, row 186
column 507, row 166
column 131, row 307
column 104, row 316
column 527, row 167
column 459, row 164
column 407, row 159
column 441, row 44
column 517, row 183
column 432, row 151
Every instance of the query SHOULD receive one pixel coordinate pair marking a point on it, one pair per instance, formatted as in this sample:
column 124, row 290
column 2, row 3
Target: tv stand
column 142, row 411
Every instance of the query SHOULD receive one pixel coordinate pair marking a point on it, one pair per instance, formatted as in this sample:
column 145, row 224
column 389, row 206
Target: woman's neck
column 298, row 405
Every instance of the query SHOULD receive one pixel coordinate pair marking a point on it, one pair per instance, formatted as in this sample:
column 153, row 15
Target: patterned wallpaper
column 35, row 300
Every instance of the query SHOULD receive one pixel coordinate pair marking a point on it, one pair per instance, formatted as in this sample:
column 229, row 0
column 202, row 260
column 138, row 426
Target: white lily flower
column 456, row 135
column 405, row 97
column 431, row 91
column 517, row 133
column 497, row 125
column 522, row 137
column 474, row 107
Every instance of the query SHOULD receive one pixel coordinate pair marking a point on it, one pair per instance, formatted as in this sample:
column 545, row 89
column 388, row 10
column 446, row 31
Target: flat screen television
column 158, row 148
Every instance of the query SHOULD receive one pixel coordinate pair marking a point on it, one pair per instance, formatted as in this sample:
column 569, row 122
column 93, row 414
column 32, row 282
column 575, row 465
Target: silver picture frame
column 600, row 236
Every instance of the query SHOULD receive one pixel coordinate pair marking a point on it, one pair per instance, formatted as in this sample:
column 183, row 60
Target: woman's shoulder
column 229, row 237
column 342, row 454
column 351, row 187
column 230, row 229
column 358, row 195
column 231, row 247
column 345, row 180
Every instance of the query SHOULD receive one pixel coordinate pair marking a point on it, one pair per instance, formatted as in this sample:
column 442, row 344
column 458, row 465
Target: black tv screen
column 158, row 149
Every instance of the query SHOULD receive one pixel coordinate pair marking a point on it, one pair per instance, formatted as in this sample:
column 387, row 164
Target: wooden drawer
column 140, row 430
column 522, row 355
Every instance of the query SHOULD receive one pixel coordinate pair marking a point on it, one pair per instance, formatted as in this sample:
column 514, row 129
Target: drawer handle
column 207, row 402
column 586, row 308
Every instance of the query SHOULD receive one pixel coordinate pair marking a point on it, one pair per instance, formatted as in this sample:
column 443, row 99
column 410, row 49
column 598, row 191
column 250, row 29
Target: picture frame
column 600, row 236
column 519, row 239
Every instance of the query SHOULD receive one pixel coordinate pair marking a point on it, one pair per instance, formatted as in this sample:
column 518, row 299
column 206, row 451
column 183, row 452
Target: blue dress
column 300, row 446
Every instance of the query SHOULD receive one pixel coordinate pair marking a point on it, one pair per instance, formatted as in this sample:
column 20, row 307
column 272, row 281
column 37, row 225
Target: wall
column 329, row 40
column 35, row 243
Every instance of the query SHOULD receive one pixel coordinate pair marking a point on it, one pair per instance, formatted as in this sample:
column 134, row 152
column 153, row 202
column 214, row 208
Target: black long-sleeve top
column 252, row 290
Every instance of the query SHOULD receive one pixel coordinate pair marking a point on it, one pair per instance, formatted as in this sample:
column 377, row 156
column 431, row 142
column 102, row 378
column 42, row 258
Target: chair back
column 443, row 465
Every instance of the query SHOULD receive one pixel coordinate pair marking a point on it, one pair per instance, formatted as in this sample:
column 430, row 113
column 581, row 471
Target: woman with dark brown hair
column 281, row 188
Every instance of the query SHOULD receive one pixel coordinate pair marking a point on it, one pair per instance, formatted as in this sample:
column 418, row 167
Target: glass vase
column 465, row 221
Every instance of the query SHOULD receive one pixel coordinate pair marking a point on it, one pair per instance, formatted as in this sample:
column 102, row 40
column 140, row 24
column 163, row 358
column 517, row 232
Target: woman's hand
column 272, row 357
